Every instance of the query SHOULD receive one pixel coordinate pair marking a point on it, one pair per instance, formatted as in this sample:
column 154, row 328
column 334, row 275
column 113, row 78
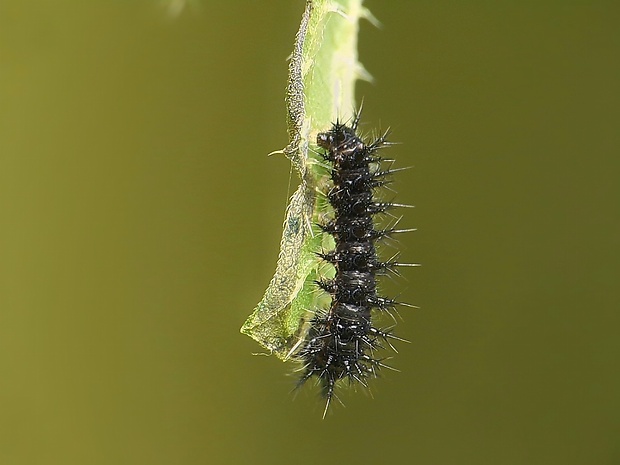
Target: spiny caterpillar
column 321, row 307
column 342, row 340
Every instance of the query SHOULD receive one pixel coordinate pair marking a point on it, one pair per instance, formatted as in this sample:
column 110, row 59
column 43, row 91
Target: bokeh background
column 140, row 220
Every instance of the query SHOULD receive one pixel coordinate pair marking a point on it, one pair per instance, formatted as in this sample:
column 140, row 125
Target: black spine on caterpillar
column 341, row 342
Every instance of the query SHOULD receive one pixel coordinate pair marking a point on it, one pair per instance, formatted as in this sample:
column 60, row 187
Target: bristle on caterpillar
column 341, row 342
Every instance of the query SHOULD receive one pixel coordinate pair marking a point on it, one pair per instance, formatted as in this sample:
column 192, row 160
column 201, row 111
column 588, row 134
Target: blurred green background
column 140, row 222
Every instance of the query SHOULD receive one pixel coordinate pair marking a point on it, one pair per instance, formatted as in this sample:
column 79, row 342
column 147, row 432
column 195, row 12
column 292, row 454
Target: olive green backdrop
column 140, row 221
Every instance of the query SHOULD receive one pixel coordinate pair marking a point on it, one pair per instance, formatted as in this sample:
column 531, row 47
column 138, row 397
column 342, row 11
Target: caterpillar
column 342, row 340
column 322, row 307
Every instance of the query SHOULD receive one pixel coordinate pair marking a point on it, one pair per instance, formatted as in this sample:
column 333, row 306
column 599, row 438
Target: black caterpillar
column 341, row 341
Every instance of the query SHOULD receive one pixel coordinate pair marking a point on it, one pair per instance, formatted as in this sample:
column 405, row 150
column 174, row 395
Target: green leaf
column 321, row 88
